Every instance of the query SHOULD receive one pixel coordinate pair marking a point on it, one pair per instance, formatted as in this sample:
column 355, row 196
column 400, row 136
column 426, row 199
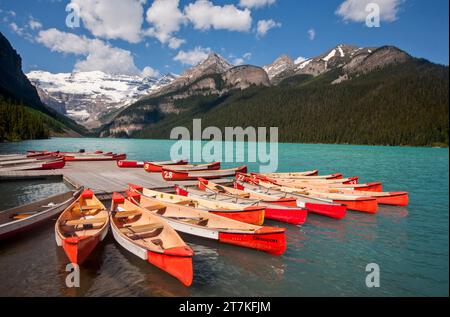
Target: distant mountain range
column 88, row 97
column 349, row 94
column 20, row 100
column 376, row 95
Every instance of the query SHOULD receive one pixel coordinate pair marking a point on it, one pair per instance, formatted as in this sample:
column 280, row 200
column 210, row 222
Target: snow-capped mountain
column 88, row 97
column 350, row 58
column 213, row 64
column 280, row 65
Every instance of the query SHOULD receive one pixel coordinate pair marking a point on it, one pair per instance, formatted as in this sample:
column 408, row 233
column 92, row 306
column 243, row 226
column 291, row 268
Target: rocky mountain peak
column 213, row 64
column 280, row 65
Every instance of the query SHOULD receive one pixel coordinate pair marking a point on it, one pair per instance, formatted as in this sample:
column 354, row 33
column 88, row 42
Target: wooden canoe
column 278, row 209
column 194, row 167
column 81, row 227
column 38, row 165
column 357, row 203
column 338, row 181
column 208, row 225
column 324, row 186
column 248, row 214
column 304, row 175
column 319, row 206
column 156, row 167
column 151, row 238
column 385, row 198
column 89, row 158
column 27, row 217
column 171, row 175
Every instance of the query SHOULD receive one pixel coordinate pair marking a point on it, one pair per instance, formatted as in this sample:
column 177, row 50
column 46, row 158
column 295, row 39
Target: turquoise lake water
column 325, row 257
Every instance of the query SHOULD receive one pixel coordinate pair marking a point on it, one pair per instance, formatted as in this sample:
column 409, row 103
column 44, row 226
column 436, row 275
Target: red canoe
column 276, row 208
column 151, row 238
column 130, row 164
column 322, row 207
column 248, row 214
column 92, row 158
column 81, row 227
column 156, row 167
column 171, row 175
column 361, row 203
column 207, row 225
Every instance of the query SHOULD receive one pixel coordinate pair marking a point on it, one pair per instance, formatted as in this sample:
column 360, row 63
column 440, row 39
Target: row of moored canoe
column 147, row 222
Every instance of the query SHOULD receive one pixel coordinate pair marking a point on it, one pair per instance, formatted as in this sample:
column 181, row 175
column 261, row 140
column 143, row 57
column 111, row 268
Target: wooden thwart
column 85, row 221
column 129, row 213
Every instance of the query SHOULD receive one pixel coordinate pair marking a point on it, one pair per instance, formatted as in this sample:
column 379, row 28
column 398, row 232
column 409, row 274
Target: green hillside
column 403, row 104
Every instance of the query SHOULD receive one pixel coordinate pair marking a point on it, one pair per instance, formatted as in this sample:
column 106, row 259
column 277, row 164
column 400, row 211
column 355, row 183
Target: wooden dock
column 103, row 178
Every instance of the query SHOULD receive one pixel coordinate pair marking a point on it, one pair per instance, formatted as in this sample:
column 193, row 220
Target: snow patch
column 329, row 56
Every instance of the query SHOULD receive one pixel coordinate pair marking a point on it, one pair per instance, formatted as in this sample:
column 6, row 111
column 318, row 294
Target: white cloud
column 113, row 19
column 265, row 25
column 166, row 19
column 247, row 56
column 312, row 34
column 204, row 15
column 192, row 57
column 34, row 24
column 299, row 60
column 355, row 10
column 238, row 61
column 16, row 29
column 97, row 54
column 150, row 72
column 255, row 3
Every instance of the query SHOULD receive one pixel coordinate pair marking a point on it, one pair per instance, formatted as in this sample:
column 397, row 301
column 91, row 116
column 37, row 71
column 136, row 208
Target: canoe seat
column 143, row 232
column 186, row 203
column 193, row 220
column 155, row 207
column 142, row 228
column 128, row 213
column 90, row 221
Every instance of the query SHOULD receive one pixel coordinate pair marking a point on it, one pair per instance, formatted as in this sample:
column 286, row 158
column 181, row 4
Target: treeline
column 404, row 104
column 18, row 122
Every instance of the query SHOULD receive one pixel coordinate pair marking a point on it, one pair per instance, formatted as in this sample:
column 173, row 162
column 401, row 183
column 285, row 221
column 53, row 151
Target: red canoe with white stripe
column 151, row 238
column 171, row 175
column 156, row 167
column 81, row 227
column 276, row 208
column 323, row 207
column 130, row 164
column 312, row 175
column 92, row 158
column 203, row 224
column 248, row 214
column 366, row 204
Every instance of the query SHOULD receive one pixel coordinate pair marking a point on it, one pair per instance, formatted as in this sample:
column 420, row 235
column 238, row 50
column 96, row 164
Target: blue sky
column 155, row 37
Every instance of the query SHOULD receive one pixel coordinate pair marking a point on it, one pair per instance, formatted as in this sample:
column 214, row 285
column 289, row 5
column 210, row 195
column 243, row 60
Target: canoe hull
column 293, row 216
column 179, row 266
column 331, row 211
column 78, row 249
column 130, row 164
column 273, row 243
column 177, row 263
column 400, row 199
column 117, row 157
column 250, row 216
column 11, row 229
column 170, row 175
column 360, row 204
column 152, row 167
